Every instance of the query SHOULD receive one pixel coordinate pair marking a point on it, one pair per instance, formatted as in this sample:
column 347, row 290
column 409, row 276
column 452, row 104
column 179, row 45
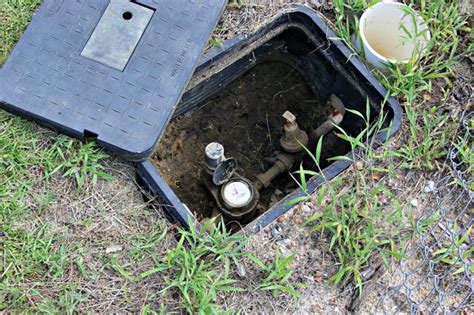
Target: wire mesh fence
column 435, row 274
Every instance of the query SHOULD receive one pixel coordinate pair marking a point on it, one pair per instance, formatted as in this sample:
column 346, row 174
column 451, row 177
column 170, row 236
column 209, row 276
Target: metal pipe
column 283, row 164
column 336, row 117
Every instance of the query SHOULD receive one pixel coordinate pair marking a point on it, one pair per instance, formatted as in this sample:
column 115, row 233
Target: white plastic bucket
column 392, row 32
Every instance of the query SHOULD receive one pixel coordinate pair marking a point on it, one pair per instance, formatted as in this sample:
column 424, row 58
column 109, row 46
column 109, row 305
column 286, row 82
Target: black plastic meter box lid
column 113, row 70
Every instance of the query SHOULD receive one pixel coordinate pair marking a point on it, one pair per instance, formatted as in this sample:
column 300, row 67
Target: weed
column 215, row 41
column 194, row 266
column 68, row 301
column 354, row 219
column 429, row 133
column 426, row 142
column 277, row 275
column 361, row 218
column 463, row 156
column 363, row 143
column 81, row 161
column 199, row 267
column 145, row 246
column 457, row 252
column 236, row 3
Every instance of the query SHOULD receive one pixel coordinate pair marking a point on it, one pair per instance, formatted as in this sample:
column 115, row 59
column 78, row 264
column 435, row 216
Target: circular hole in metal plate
column 127, row 15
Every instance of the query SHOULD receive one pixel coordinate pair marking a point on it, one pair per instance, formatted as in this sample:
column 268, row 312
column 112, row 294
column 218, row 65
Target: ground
column 77, row 236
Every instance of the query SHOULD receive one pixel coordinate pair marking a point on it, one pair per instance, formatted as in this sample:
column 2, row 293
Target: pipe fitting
column 283, row 164
column 293, row 138
column 336, row 117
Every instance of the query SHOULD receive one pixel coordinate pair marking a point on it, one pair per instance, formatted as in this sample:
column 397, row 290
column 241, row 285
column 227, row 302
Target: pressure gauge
column 237, row 193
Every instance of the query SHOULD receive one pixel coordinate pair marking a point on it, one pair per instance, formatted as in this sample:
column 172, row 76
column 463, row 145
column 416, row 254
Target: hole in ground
column 246, row 118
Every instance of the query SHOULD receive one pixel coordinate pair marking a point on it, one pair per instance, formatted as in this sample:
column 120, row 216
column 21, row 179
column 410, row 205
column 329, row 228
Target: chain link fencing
column 435, row 274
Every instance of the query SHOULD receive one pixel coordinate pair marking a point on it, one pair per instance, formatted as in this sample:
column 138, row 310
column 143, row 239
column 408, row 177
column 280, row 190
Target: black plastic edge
column 149, row 177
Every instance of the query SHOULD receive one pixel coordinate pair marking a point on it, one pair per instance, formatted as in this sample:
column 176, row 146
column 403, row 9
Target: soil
column 246, row 117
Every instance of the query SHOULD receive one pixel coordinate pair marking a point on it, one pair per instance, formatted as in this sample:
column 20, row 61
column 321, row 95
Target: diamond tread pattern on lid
column 47, row 79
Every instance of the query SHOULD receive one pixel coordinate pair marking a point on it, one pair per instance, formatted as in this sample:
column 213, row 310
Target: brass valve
column 293, row 138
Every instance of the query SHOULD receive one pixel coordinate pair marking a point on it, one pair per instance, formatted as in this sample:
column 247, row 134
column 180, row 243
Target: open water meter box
column 223, row 141
column 238, row 132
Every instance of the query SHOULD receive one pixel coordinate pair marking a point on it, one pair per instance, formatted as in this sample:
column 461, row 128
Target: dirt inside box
column 246, row 118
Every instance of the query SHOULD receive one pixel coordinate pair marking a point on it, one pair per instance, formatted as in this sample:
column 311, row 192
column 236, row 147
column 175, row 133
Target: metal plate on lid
column 68, row 74
column 118, row 33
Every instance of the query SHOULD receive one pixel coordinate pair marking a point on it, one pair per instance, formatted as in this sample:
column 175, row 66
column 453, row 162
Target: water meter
column 235, row 196
column 237, row 193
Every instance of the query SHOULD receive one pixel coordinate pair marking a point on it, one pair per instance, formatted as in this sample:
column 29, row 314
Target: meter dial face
column 237, row 194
